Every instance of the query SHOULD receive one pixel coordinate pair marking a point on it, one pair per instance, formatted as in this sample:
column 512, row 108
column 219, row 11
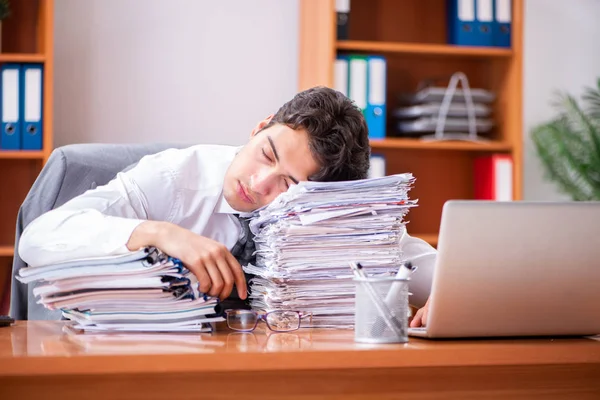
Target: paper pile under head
column 306, row 238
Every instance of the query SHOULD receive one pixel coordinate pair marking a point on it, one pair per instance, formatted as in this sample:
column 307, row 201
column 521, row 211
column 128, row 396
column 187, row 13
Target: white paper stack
column 306, row 238
column 142, row 291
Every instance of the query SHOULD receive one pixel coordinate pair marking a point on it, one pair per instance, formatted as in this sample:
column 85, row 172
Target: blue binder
column 375, row 112
column 31, row 106
column 10, row 138
column 470, row 22
column 367, row 88
column 502, row 23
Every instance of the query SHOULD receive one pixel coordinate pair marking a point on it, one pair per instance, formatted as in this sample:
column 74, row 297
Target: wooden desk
column 38, row 360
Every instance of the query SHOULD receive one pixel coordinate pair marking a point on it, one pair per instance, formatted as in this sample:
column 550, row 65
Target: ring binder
column 10, row 106
column 31, row 106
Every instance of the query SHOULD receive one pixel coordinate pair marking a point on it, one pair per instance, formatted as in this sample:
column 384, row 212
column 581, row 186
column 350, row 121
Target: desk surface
column 39, row 348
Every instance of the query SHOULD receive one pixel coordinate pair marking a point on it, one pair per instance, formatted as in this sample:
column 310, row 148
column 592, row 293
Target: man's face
column 272, row 161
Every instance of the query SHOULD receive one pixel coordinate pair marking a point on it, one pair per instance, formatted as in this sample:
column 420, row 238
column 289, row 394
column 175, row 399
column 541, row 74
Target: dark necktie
column 243, row 251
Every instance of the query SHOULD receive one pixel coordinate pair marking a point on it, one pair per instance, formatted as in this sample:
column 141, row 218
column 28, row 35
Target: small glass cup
column 277, row 321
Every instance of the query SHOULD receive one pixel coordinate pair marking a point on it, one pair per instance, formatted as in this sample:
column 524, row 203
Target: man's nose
column 262, row 181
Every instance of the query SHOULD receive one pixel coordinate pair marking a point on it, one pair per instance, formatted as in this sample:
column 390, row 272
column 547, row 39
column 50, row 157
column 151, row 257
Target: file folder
column 10, row 138
column 470, row 22
column 340, row 75
column 357, row 81
column 342, row 11
column 485, row 22
column 31, row 106
column 493, row 177
column 375, row 113
column 367, row 88
column 502, row 23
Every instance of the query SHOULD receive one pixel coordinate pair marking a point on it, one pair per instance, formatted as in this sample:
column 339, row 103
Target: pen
column 355, row 270
column 406, row 270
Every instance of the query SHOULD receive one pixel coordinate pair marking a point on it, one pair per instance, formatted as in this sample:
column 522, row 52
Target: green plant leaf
column 543, row 140
column 581, row 124
column 591, row 96
column 568, row 159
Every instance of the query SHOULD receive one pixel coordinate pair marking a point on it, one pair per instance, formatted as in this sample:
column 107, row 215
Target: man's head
column 319, row 135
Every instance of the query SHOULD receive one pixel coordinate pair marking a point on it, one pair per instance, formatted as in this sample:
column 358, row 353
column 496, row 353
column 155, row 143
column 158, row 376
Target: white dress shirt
column 182, row 186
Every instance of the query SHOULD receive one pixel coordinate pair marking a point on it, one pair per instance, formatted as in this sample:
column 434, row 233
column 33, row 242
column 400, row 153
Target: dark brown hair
column 337, row 132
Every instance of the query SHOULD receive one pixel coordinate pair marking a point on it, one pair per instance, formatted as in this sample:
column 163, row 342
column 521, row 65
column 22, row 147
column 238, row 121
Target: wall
column 196, row 71
column 562, row 52
column 205, row 71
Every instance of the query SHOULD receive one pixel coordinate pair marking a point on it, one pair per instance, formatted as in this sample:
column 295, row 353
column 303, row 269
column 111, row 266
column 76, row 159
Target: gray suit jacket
column 70, row 171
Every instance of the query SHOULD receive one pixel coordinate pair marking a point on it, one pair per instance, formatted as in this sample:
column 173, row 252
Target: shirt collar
column 223, row 206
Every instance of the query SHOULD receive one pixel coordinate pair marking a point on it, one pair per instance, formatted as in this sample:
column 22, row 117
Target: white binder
column 10, row 138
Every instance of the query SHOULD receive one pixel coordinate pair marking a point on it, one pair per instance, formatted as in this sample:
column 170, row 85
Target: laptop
column 516, row 269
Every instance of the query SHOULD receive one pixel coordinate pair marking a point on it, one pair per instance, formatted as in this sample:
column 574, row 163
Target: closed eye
column 266, row 156
column 272, row 144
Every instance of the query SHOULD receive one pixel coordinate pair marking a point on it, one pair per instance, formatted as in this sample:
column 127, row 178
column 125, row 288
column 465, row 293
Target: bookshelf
column 27, row 37
column 411, row 34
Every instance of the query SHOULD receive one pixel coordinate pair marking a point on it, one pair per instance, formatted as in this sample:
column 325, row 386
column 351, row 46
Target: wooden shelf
column 407, row 143
column 22, row 58
column 6, row 251
column 428, row 49
column 431, row 238
column 22, row 154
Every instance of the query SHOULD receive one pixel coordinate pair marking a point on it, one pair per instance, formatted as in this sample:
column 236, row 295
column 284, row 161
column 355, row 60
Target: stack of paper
column 142, row 291
column 306, row 238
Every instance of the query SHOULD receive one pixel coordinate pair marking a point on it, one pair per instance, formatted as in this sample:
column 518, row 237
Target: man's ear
column 261, row 125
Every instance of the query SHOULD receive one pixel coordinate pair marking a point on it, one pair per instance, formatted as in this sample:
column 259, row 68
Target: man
column 185, row 201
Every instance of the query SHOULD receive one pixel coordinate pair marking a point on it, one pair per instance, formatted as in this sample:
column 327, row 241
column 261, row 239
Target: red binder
column 493, row 177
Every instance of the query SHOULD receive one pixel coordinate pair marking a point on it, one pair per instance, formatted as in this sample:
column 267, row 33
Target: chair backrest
column 70, row 171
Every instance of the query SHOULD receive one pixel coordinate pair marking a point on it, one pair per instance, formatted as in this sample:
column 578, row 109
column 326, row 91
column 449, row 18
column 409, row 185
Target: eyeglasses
column 277, row 321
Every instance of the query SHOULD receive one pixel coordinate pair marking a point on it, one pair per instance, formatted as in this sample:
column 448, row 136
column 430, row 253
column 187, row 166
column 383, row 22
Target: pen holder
column 381, row 310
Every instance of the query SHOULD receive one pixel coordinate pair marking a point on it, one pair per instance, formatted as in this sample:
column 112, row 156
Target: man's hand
column 420, row 318
column 212, row 263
